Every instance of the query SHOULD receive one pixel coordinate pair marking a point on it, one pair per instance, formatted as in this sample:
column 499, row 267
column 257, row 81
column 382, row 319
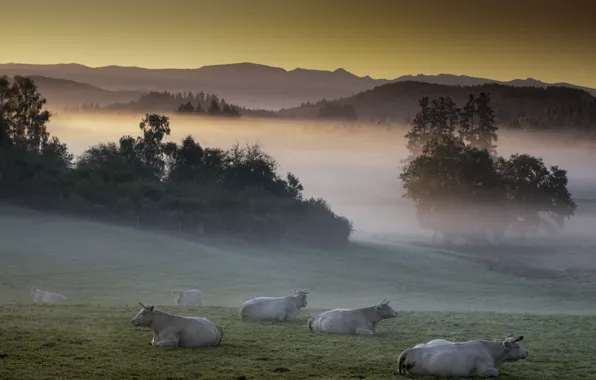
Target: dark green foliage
column 459, row 186
column 183, row 188
column 536, row 191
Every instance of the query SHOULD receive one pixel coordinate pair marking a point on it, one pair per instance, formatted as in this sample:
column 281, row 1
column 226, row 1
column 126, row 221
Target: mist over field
column 354, row 167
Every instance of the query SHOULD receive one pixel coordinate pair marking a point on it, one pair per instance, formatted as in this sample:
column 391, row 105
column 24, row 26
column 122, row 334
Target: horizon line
column 290, row 70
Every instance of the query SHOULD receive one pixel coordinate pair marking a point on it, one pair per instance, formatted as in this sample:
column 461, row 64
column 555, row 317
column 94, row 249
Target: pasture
column 105, row 270
column 95, row 342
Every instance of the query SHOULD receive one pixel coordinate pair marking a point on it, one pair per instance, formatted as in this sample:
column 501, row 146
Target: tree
column 186, row 108
column 451, row 184
column 465, row 190
column 23, row 119
column 214, row 106
column 436, row 118
column 485, row 135
column 537, row 194
column 467, row 120
column 186, row 161
column 5, row 128
column 150, row 147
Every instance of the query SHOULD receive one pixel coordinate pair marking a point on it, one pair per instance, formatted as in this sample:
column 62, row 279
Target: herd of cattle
column 438, row 357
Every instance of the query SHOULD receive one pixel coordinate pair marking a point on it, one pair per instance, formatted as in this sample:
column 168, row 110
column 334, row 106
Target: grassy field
column 95, row 342
column 103, row 268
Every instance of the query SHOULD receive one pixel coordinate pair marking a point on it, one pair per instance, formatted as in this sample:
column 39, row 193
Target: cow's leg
column 487, row 372
column 155, row 338
column 291, row 315
column 364, row 331
column 168, row 341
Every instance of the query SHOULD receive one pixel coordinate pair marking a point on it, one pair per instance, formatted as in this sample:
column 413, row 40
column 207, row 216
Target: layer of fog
column 354, row 167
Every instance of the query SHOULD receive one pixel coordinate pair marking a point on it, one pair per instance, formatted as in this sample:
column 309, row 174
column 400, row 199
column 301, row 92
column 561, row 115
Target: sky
column 554, row 41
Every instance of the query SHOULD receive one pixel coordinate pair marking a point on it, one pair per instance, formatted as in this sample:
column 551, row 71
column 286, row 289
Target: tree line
column 552, row 108
column 165, row 102
column 150, row 183
column 460, row 186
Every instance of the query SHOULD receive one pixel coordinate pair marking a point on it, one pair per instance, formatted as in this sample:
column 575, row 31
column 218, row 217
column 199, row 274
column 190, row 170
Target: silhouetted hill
column 550, row 107
column 464, row 80
column 62, row 92
column 247, row 84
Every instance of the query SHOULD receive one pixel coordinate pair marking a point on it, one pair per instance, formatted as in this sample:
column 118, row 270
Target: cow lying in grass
column 473, row 358
column 274, row 308
column 188, row 297
column 41, row 296
column 362, row 321
column 176, row 330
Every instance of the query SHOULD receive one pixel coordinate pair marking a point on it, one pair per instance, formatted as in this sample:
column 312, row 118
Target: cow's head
column 513, row 350
column 300, row 297
column 144, row 317
column 385, row 310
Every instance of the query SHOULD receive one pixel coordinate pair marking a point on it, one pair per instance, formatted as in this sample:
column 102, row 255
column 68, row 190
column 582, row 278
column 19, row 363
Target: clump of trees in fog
column 209, row 104
column 155, row 101
column 179, row 187
column 461, row 187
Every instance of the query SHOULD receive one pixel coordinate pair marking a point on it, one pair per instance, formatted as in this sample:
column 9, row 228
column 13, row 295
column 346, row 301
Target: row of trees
column 217, row 107
column 462, row 188
column 182, row 187
column 164, row 102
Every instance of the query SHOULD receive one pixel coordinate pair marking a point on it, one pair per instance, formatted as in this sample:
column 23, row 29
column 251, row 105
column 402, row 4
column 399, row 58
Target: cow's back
column 455, row 359
column 266, row 304
column 337, row 321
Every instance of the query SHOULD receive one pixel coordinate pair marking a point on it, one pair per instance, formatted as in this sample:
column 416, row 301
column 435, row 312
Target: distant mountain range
column 247, row 84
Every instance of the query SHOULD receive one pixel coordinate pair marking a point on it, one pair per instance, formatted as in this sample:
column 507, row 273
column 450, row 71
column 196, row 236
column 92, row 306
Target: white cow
column 437, row 342
column 176, row 330
column 188, row 297
column 472, row 358
column 41, row 296
column 274, row 308
column 362, row 321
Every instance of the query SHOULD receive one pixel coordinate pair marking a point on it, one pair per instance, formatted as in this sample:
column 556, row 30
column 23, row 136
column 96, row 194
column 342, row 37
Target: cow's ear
column 152, row 308
column 507, row 344
column 378, row 308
